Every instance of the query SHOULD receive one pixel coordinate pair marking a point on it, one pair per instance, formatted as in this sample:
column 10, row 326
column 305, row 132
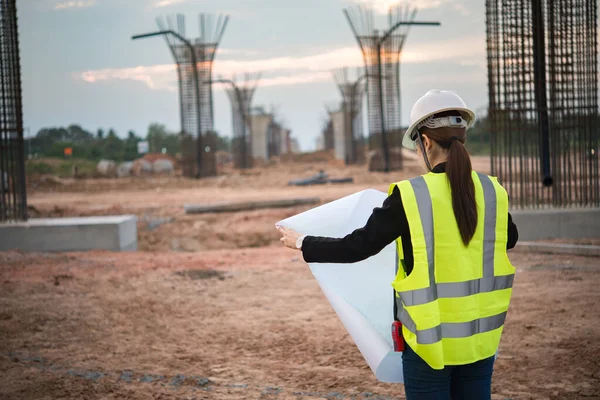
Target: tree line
column 52, row 142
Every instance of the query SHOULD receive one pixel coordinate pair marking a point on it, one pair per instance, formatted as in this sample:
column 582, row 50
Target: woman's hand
column 288, row 236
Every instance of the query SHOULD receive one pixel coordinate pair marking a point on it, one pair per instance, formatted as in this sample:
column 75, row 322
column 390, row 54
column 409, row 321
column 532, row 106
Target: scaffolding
column 543, row 100
column 276, row 138
column 241, row 104
column 352, row 100
column 327, row 132
column 196, row 99
column 381, row 53
column 13, row 198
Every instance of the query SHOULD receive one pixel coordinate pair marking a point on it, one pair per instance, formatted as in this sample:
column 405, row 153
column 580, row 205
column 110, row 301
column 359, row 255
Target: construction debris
column 248, row 205
column 320, row 178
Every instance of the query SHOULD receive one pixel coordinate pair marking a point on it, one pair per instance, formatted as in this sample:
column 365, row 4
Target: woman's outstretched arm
column 385, row 224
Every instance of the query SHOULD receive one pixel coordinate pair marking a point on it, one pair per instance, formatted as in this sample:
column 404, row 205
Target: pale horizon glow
column 75, row 4
column 291, row 70
column 166, row 3
column 383, row 6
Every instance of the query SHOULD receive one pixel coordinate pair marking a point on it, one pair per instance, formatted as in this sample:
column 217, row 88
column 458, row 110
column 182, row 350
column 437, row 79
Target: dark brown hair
column 458, row 170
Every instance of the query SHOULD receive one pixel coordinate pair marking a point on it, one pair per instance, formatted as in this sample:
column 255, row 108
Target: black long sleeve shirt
column 385, row 225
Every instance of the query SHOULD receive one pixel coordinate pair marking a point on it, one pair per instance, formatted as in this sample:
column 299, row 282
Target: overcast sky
column 79, row 64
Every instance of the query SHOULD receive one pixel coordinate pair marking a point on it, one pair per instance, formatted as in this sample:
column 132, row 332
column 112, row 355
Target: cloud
column 239, row 52
column 164, row 77
column 460, row 8
column 275, row 71
column 349, row 56
column 383, row 6
column 75, row 4
column 157, row 77
column 291, row 70
column 461, row 50
column 287, row 80
column 165, row 3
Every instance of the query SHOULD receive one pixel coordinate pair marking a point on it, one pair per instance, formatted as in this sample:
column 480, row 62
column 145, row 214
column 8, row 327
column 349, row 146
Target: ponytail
column 458, row 171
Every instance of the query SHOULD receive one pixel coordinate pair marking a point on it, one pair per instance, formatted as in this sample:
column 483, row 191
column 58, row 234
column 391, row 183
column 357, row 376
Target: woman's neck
column 433, row 161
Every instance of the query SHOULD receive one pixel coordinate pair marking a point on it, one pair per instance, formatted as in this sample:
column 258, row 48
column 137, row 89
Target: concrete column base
column 114, row 233
column 557, row 223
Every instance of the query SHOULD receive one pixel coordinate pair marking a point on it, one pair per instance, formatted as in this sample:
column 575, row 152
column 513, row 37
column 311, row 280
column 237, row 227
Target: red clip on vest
column 397, row 336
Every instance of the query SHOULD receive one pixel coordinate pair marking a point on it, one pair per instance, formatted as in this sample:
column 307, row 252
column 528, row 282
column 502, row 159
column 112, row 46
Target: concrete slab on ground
column 557, row 223
column 114, row 233
column 560, row 248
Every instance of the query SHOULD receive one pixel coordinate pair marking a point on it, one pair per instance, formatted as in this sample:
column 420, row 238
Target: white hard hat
column 434, row 102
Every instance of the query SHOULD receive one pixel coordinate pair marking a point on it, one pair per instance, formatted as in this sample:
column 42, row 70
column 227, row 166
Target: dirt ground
column 253, row 323
column 213, row 308
column 158, row 202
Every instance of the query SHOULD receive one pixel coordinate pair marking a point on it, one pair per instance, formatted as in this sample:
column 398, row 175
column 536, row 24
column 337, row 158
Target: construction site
column 176, row 286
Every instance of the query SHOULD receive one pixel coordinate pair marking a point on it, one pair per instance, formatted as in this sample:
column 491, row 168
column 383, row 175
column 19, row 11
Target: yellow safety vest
column 453, row 304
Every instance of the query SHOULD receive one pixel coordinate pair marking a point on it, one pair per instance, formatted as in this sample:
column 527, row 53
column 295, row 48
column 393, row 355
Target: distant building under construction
column 269, row 138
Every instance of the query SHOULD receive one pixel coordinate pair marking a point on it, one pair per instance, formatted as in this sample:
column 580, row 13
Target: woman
column 452, row 229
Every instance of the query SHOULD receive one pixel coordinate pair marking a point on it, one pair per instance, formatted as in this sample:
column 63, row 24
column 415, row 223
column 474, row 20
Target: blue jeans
column 455, row 382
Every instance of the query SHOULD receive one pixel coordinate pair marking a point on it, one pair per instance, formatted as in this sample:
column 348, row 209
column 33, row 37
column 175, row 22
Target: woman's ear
column 426, row 143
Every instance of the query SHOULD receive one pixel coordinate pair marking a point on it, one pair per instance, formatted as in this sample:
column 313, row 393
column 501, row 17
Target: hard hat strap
column 423, row 151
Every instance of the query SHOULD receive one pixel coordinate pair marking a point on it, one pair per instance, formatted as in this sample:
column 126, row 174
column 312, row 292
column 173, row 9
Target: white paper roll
column 361, row 293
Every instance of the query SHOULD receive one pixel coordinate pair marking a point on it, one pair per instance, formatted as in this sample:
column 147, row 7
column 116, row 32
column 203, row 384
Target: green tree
column 130, row 146
column 51, row 142
column 156, row 136
column 113, row 147
column 44, row 141
column 77, row 134
column 159, row 138
column 478, row 137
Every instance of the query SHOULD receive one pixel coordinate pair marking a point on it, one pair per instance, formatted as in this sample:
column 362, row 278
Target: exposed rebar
column 13, row 196
column 543, row 100
column 196, row 101
column 381, row 53
column 240, row 97
column 352, row 99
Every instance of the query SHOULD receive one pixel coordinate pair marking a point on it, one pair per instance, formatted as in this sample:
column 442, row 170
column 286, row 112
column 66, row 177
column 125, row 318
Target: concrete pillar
column 259, row 126
column 339, row 135
column 294, row 146
column 285, row 141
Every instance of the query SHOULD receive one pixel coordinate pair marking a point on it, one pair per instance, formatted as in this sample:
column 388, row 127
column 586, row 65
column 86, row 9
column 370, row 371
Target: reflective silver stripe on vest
column 489, row 226
column 457, row 289
column 425, row 206
column 452, row 330
column 488, row 283
column 397, row 262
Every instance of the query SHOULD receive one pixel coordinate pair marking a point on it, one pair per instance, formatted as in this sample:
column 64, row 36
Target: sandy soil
column 213, row 308
column 584, row 241
column 158, row 202
column 248, row 324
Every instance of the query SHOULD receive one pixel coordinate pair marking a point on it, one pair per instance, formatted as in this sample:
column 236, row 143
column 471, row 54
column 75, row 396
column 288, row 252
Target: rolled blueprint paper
column 361, row 293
